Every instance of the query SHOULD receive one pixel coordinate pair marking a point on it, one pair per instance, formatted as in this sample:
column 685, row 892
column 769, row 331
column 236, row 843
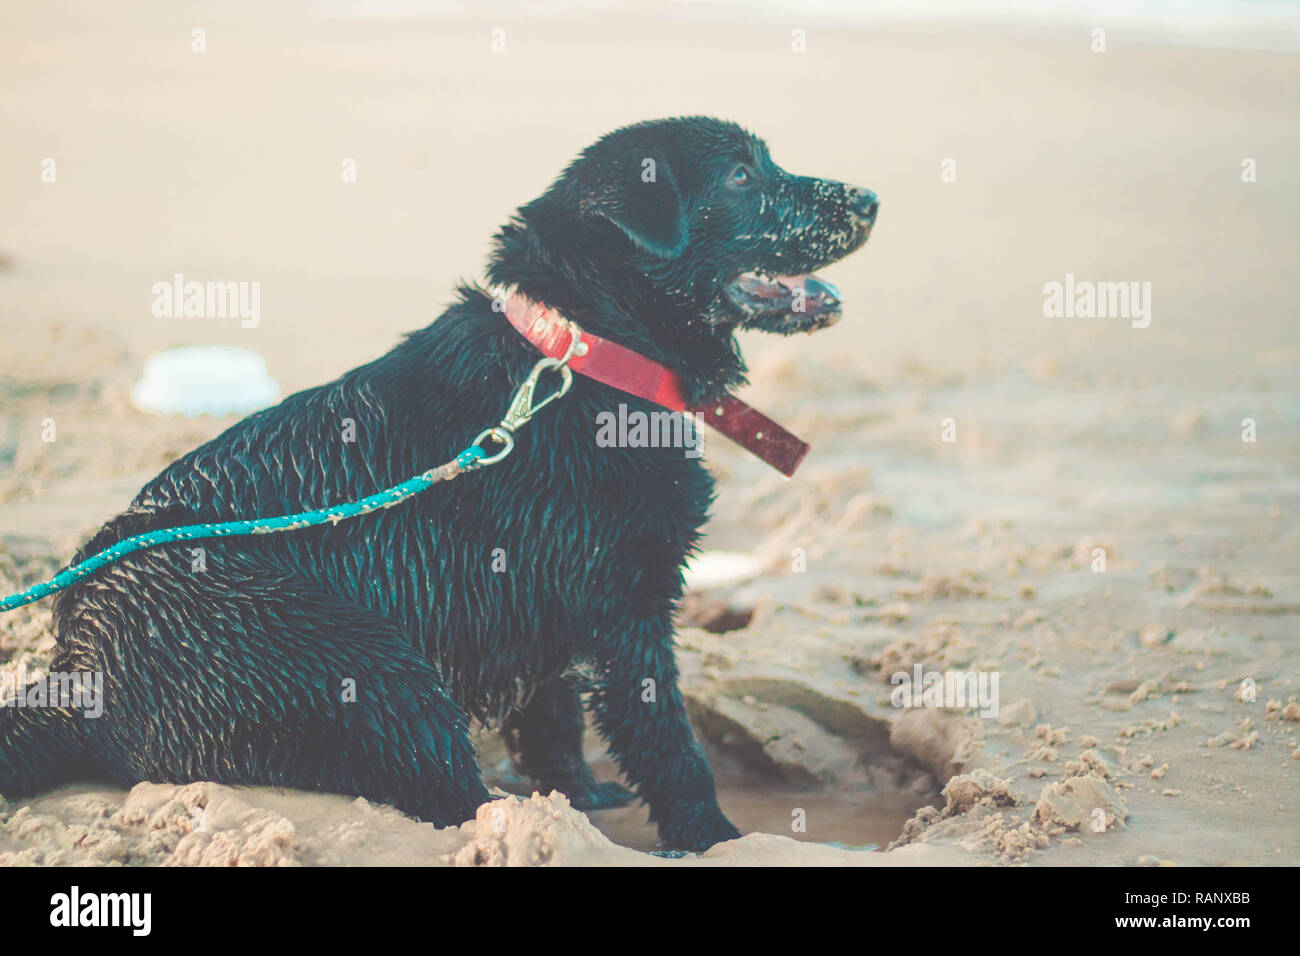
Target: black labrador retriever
column 350, row 657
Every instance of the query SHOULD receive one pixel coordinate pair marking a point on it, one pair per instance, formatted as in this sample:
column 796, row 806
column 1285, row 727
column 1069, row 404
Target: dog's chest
column 587, row 523
column 614, row 483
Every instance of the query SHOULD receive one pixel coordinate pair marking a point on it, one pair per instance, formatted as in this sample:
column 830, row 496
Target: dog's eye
column 740, row 176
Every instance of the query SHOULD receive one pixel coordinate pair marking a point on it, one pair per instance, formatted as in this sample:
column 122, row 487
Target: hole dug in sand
column 800, row 761
column 891, row 779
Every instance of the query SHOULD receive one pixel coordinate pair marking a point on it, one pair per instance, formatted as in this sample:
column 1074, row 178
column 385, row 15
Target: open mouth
column 785, row 304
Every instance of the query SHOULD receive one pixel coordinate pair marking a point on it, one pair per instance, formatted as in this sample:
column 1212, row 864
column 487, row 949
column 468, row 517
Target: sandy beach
column 1100, row 511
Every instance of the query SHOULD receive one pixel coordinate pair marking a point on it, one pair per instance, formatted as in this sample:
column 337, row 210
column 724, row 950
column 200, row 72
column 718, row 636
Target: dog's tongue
column 814, row 288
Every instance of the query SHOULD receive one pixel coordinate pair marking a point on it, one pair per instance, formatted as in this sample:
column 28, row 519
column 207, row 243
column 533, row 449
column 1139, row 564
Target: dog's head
column 701, row 210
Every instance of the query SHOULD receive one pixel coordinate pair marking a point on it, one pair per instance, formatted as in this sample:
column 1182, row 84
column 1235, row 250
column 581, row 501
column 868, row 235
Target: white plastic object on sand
column 205, row 380
column 713, row 568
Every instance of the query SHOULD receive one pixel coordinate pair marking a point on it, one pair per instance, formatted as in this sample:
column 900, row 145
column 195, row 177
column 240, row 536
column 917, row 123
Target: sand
column 1097, row 533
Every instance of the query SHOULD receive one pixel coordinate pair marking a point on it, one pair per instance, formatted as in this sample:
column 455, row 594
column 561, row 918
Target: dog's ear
column 638, row 193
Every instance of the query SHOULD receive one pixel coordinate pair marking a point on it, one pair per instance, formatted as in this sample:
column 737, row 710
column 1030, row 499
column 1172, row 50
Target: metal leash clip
column 524, row 405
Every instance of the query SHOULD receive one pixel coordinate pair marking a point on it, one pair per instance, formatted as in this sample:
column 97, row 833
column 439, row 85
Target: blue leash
column 465, row 461
column 521, row 410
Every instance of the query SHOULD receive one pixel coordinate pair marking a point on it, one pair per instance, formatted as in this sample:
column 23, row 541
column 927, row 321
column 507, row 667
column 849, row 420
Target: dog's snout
column 863, row 203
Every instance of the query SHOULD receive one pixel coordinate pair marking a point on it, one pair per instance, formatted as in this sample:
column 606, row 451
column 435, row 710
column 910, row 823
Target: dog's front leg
column 639, row 710
column 545, row 738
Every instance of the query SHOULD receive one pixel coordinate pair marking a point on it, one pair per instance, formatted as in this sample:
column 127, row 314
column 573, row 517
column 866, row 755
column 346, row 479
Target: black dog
column 350, row 658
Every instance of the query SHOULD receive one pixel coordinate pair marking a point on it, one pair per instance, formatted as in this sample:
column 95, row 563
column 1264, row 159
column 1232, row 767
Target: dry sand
column 1119, row 688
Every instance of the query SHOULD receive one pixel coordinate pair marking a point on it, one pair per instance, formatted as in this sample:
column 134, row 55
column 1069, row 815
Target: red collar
column 620, row 367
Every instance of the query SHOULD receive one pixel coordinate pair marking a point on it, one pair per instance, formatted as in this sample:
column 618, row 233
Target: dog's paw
column 698, row 834
column 600, row 796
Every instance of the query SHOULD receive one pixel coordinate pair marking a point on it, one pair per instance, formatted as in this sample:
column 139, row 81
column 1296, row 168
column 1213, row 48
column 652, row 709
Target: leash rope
column 522, row 408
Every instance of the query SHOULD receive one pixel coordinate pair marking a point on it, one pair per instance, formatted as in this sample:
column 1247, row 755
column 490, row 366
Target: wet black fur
column 237, row 673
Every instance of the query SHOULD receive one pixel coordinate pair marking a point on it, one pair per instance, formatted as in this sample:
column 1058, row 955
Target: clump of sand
column 973, row 816
column 941, row 646
column 977, row 788
column 1084, row 801
column 200, row 824
column 983, row 814
column 537, row 831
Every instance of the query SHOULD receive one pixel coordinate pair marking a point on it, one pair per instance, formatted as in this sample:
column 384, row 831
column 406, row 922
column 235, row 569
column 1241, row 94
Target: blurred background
column 1111, row 156
column 226, row 164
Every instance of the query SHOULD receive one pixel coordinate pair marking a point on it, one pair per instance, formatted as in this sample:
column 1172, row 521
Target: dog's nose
column 864, row 203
